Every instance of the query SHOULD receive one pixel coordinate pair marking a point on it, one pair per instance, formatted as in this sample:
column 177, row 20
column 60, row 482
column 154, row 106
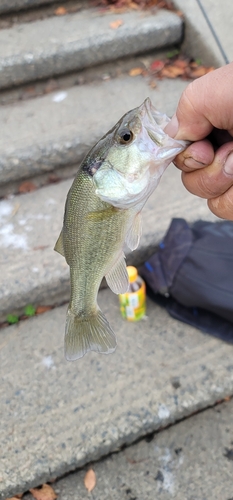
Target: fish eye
column 125, row 136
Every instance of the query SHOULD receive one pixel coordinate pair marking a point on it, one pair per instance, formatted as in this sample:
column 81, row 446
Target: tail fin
column 88, row 334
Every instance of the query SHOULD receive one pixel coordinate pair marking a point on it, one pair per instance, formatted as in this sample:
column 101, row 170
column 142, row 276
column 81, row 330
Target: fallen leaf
column 43, row 309
column 116, row 24
column 116, row 10
column 60, row 11
column 171, row 71
column 90, row 480
column 27, row 187
column 16, row 497
column 156, row 65
column 200, row 71
column 135, row 71
column 194, row 65
column 181, row 63
column 123, row 5
column 178, row 65
column 153, row 84
column 44, row 493
column 53, row 178
column 133, row 5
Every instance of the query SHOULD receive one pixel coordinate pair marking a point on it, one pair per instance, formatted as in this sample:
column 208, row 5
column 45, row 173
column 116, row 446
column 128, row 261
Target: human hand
column 205, row 115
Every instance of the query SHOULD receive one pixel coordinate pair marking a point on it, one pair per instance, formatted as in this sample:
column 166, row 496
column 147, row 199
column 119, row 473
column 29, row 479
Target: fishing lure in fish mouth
column 102, row 213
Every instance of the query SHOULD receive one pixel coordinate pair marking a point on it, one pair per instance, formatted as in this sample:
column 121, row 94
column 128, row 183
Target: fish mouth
column 126, row 177
column 154, row 122
column 93, row 167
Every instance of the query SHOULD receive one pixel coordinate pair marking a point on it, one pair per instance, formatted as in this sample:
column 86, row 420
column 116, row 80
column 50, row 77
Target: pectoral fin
column 134, row 234
column 117, row 278
column 59, row 247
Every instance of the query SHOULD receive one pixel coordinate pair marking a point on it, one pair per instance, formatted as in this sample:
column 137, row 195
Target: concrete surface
column 56, row 130
column 57, row 416
column 191, row 460
column 30, row 270
column 57, row 45
column 220, row 18
column 199, row 41
column 14, row 5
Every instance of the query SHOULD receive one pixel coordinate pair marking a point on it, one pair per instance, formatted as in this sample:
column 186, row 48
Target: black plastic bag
column 193, row 271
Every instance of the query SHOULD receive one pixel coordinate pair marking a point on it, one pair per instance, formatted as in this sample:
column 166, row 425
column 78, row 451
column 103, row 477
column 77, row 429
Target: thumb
column 206, row 103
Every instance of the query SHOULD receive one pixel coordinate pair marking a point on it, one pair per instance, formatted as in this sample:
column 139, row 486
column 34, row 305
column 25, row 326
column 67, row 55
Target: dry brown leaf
column 60, row 11
column 116, row 24
column 133, row 5
column 181, row 63
column 44, row 493
column 27, row 187
column 53, row 178
column 135, row 71
column 118, row 10
column 41, row 310
column 90, row 480
column 193, row 64
column 16, row 497
column 172, row 72
column 124, row 5
column 200, row 71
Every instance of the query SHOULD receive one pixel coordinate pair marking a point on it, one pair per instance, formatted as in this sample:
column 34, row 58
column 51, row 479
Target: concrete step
column 30, row 270
column 54, row 132
column 57, row 45
column 207, row 30
column 191, row 460
column 16, row 5
column 57, row 416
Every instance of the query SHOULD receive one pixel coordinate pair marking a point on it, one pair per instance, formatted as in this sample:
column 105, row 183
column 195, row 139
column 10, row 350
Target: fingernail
column 172, row 127
column 228, row 167
column 193, row 164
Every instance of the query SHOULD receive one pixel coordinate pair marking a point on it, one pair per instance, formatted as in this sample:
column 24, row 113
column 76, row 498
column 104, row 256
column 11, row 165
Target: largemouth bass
column 102, row 213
